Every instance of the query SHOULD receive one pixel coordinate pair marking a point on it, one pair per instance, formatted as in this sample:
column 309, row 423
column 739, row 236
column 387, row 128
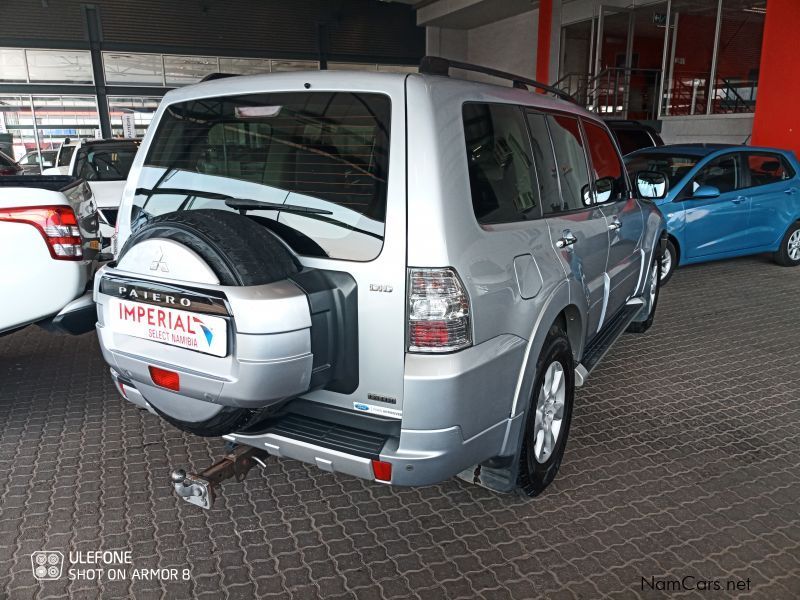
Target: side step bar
column 602, row 343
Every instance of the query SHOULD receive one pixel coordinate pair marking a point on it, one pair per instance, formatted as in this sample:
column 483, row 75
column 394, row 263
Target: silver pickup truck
column 398, row 277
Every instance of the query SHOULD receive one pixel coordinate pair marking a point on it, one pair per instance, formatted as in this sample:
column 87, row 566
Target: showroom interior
column 680, row 473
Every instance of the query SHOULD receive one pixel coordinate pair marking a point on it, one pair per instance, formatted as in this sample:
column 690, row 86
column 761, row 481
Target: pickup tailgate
column 49, row 245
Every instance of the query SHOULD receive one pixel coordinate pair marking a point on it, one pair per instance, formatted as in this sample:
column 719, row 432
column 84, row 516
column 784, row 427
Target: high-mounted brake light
column 166, row 379
column 438, row 311
column 57, row 224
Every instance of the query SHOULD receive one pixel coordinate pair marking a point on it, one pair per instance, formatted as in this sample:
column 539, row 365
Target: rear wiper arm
column 240, row 204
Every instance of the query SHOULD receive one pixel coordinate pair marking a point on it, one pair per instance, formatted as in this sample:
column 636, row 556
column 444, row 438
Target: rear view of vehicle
column 262, row 259
column 48, row 249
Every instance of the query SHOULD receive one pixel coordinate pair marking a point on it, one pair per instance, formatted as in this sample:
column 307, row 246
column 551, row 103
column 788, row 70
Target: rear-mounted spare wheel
column 239, row 252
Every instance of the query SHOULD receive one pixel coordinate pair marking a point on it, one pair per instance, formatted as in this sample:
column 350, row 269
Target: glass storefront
column 47, row 120
column 141, row 107
column 665, row 58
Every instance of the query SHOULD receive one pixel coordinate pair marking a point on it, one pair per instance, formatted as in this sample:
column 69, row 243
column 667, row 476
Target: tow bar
column 201, row 489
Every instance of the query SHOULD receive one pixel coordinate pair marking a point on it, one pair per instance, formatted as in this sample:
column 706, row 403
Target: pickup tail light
column 57, row 224
column 438, row 311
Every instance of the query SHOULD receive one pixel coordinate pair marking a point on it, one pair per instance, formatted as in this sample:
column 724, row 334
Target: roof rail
column 436, row 65
column 212, row 76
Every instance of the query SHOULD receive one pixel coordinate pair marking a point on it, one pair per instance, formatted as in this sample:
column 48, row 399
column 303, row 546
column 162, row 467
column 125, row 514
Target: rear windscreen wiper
column 240, row 204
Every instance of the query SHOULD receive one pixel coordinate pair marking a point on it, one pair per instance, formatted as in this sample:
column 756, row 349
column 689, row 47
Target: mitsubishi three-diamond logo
column 47, row 564
column 160, row 264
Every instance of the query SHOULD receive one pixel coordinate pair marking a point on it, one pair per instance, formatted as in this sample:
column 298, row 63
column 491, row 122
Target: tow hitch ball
column 201, row 489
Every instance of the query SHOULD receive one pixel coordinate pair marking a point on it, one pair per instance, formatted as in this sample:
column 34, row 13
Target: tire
column 537, row 468
column 654, row 275
column 788, row 255
column 239, row 252
column 669, row 262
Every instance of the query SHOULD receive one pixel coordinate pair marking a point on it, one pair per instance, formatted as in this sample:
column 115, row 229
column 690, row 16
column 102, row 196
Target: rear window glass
column 105, row 162
column 327, row 151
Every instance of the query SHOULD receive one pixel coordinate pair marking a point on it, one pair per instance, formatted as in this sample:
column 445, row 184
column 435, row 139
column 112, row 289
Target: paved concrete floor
column 682, row 461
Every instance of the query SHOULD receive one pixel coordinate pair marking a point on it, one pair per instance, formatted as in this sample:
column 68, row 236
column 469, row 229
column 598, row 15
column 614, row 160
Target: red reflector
column 122, row 390
column 166, row 379
column 382, row 470
column 429, row 334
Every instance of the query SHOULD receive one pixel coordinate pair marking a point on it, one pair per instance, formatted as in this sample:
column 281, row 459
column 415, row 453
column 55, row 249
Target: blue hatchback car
column 722, row 201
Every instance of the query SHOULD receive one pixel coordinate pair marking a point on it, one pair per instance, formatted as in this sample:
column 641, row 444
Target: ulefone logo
column 47, row 564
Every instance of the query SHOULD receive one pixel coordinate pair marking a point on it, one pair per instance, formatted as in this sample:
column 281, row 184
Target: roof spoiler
column 436, row 65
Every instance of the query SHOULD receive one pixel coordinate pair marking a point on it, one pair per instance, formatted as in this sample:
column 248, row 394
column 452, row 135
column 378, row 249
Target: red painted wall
column 777, row 120
column 543, row 36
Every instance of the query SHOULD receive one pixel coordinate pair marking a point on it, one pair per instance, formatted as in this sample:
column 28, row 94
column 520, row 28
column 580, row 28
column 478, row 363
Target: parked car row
column 398, row 277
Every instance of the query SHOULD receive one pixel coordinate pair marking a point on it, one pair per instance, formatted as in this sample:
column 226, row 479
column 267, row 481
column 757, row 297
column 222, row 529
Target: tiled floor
column 682, row 462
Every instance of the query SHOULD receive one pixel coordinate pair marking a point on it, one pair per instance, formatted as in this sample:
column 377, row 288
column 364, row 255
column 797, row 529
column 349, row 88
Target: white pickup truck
column 49, row 247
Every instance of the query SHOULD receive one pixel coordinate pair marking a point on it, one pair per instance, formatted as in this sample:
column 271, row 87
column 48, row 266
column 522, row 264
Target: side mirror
column 652, row 185
column 705, row 192
column 604, row 188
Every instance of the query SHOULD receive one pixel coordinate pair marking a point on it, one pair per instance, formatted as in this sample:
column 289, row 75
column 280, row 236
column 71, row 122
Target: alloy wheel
column 794, row 246
column 549, row 412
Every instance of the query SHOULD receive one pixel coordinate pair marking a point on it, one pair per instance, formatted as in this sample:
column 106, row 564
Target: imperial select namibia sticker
column 378, row 410
column 202, row 333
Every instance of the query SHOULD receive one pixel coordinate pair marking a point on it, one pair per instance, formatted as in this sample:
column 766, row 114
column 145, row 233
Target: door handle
column 738, row 199
column 566, row 240
column 615, row 224
column 790, row 191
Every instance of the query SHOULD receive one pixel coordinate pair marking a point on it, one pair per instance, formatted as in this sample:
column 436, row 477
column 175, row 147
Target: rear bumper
column 76, row 318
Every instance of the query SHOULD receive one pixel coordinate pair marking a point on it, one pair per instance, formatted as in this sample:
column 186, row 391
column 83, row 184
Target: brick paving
column 682, row 461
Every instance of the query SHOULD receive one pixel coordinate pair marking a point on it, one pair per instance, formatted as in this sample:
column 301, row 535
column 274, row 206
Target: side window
column 65, row 156
column 721, row 173
column 571, row 160
column 500, row 164
column 767, row 168
column 609, row 173
column 546, row 171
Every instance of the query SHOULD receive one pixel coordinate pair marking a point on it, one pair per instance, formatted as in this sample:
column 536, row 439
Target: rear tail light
column 165, row 379
column 57, row 224
column 382, row 470
column 438, row 311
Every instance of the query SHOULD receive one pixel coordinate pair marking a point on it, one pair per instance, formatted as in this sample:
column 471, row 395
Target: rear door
column 774, row 197
column 577, row 226
column 716, row 225
column 319, row 145
column 623, row 215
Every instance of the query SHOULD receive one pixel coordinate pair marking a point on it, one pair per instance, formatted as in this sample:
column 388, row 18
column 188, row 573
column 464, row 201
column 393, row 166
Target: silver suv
column 398, row 277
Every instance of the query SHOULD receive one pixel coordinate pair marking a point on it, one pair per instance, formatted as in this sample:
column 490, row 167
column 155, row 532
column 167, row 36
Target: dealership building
column 699, row 70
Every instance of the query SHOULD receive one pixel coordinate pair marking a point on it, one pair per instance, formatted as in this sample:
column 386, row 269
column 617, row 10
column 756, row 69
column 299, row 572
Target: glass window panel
column 16, row 126
column 544, row 159
column 766, row 169
column 499, row 161
column 133, row 69
column 142, row 107
column 741, row 32
column 609, row 174
column 571, row 159
column 60, row 117
column 183, row 70
column 244, row 66
column 294, row 65
column 690, row 48
column 721, row 173
column 59, row 66
column 12, row 65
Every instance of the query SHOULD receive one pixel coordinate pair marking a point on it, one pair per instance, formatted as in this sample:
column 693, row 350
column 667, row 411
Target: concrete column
column 777, row 121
